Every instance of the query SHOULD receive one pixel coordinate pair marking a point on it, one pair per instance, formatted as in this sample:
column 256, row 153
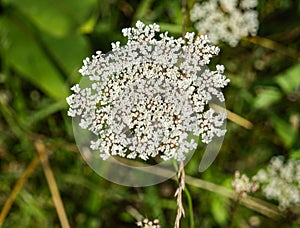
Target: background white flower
column 150, row 97
column 281, row 182
column 243, row 184
column 146, row 223
column 226, row 20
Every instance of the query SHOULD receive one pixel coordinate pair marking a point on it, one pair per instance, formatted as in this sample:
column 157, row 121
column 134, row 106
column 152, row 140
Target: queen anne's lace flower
column 148, row 224
column 226, row 20
column 281, row 182
column 243, row 184
column 150, row 96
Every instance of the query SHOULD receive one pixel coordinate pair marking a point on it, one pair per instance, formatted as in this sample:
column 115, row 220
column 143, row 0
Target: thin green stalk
column 190, row 203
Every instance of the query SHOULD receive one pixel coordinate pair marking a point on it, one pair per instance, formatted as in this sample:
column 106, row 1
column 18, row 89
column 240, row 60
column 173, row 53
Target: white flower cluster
column 281, row 182
column 146, row 223
column 243, row 184
column 148, row 97
column 226, row 20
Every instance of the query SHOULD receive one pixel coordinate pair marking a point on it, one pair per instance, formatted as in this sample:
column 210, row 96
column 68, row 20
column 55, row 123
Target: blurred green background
column 42, row 45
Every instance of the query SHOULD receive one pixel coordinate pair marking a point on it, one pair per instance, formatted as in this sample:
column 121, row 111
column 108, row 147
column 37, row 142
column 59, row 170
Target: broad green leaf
column 295, row 155
column 285, row 130
column 219, row 209
column 46, row 16
column 25, row 56
column 290, row 79
column 77, row 10
column 56, row 17
column 267, row 97
column 68, row 52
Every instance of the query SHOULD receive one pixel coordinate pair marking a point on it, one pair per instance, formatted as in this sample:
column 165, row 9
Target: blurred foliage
column 42, row 45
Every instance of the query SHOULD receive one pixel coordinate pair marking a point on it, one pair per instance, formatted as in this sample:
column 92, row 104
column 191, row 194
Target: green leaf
column 77, row 10
column 56, row 17
column 219, row 209
column 68, row 52
column 295, row 155
column 45, row 15
column 25, row 56
column 290, row 79
column 267, row 97
column 285, row 130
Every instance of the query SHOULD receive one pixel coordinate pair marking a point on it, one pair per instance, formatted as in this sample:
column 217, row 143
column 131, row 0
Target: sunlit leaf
column 267, row 97
column 295, row 154
column 219, row 209
column 290, row 79
column 56, row 17
column 77, row 10
column 25, row 56
column 68, row 51
column 89, row 26
column 285, row 130
column 45, row 15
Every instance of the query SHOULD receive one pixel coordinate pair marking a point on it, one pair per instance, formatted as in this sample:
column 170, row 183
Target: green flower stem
column 190, row 203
